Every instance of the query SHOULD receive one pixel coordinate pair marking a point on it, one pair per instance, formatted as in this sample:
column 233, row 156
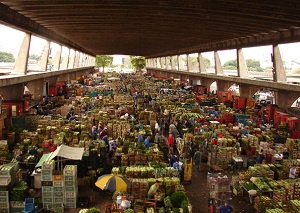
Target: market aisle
column 198, row 193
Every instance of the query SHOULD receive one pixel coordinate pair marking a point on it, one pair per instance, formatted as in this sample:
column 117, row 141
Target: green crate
column 69, row 178
column 47, row 194
column 47, row 189
column 4, row 193
column 47, row 199
column 58, row 194
column 58, row 189
column 70, row 183
column 70, row 200
column 4, row 199
column 70, row 205
column 71, row 188
column 46, row 172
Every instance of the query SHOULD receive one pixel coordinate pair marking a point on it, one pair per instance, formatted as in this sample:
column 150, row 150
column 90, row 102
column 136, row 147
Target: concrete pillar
column 52, row 80
column 180, row 63
column 173, row 63
column 167, row 62
column 65, row 62
column 162, row 64
column 71, row 60
column 83, row 59
column 188, row 63
column 224, row 85
column 36, row 88
column 43, row 62
column 22, row 58
column 285, row 99
column 77, row 57
column 56, row 60
column 218, row 65
column 247, row 90
column 158, row 62
column 13, row 92
column 242, row 69
column 278, row 72
column 207, row 81
column 202, row 68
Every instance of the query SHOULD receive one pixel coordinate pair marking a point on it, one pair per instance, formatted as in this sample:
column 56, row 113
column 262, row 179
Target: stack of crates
column 71, row 186
column 58, row 194
column 7, row 179
column 4, row 201
column 47, row 184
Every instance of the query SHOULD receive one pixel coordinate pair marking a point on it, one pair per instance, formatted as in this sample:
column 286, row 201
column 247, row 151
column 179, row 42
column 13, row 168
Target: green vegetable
column 177, row 198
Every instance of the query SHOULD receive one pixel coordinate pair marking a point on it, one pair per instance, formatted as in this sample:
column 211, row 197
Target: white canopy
column 73, row 153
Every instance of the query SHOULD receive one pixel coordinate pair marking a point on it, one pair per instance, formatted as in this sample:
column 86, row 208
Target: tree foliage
column 6, row 57
column 103, row 61
column 138, row 62
column 296, row 71
column 254, row 65
column 34, row 57
column 230, row 65
column 206, row 62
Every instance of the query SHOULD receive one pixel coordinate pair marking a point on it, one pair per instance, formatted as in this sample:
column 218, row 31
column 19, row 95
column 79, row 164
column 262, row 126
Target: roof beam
column 275, row 37
column 16, row 20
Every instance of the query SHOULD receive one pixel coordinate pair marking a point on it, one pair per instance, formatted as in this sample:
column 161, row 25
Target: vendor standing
column 260, row 157
column 153, row 190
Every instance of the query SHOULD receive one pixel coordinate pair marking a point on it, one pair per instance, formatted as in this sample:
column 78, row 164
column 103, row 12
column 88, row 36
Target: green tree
column 103, row 61
column 206, row 62
column 230, row 65
column 296, row 70
column 254, row 65
column 138, row 62
column 6, row 57
column 34, row 57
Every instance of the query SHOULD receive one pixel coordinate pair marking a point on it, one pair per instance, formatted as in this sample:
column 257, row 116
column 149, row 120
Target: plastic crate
column 5, row 180
column 47, row 189
column 58, row 183
column 58, row 189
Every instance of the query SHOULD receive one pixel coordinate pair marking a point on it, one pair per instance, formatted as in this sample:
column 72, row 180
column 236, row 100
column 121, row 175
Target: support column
column 180, row 64
column 173, row 63
column 56, row 61
column 218, row 65
column 43, row 62
column 22, row 58
column 224, row 85
column 242, row 69
column 153, row 63
column 65, row 62
column 13, row 92
column 166, row 63
column 158, row 63
column 202, row 68
column 188, row 63
column 76, row 62
column 285, row 99
column 278, row 72
column 71, row 60
column 247, row 90
column 36, row 88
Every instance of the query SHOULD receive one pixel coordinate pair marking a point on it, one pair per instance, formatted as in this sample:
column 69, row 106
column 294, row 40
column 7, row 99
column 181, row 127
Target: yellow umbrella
column 113, row 183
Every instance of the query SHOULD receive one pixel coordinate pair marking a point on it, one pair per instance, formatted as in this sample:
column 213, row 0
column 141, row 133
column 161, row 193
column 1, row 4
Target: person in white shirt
column 292, row 173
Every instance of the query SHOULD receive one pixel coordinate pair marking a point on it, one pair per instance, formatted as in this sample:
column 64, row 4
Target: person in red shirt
column 170, row 140
column 221, row 135
column 214, row 141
